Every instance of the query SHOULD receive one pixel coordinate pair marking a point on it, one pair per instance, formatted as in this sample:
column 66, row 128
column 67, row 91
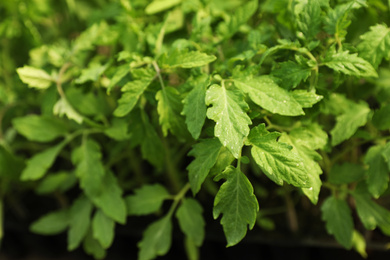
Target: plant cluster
column 134, row 108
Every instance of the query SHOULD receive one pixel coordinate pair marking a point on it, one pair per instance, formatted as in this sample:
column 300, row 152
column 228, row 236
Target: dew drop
column 311, row 188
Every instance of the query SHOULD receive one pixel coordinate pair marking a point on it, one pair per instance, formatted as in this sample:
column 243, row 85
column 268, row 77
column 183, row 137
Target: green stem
column 273, row 126
column 177, row 198
column 171, row 169
column 1, row 220
column 158, row 71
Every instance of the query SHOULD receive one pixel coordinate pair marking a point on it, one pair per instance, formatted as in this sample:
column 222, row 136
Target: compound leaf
column 279, row 161
column 267, row 94
column 191, row 220
column 206, row 154
column 338, row 218
column 229, row 112
column 237, row 204
column 147, row 199
column 156, row 239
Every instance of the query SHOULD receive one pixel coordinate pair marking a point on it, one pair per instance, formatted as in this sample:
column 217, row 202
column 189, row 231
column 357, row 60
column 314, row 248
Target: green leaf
column 309, row 18
column 161, row 5
column 187, row 59
column 349, row 121
column 195, row 106
column 282, row 44
column 52, row 183
column 337, row 21
column 97, row 34
column 156, row 240
column 89, row 168
column 239, row 17
column 52, row 223
column 39, row 128
column 92, row 73
column 103, row 229
column 370, row 213
column 291, row 74
column 191, row 220
column 101, row 187
column 110, row 199
column 378, row 172
column 89, row 103
column 381, row 118
column 359, row 243
column 169, row 108
column 338, row 218
column 305, row 140
column 93, row 247
column 151, row 147
column 311, row 136
column 62, row 107
column 386, row 154
column 35, row 78
column 1, row 220
column 10, row 166
column 229, row 112
column 206, row 154
column 147, row 199
column 375, row 44
column 267, row 94
column 345, row 173
column 276, row 159
column 306, row 98
column 192, row 250
column 225, row 158
column 118, row 129
column 80, row 214
column 237, row 204
column 132, row 91
column 38, row 165
column 349, row 64
column 120, row 73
